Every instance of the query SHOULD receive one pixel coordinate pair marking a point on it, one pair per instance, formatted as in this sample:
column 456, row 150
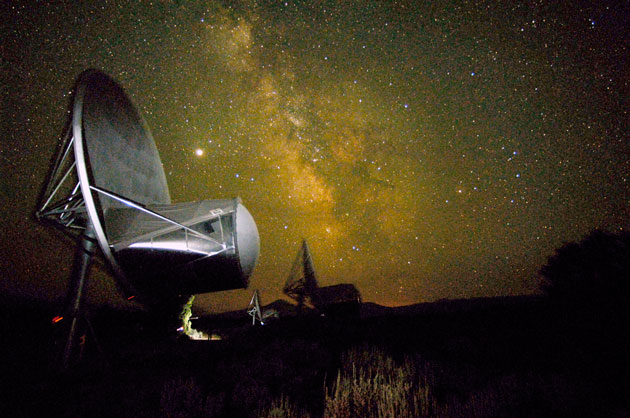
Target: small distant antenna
column 253, row 309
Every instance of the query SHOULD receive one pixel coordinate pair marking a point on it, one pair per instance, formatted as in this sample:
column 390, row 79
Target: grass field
column 518, row 357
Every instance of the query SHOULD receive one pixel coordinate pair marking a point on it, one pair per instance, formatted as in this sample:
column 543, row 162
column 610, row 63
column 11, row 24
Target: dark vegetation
column 563, row 354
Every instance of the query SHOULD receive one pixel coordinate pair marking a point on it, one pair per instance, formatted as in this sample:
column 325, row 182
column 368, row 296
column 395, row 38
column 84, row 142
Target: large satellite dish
column 108, row 185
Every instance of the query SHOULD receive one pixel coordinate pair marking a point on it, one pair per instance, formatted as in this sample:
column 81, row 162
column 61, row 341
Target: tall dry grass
column 184, row 398
column 283, row 408
column 371, row 384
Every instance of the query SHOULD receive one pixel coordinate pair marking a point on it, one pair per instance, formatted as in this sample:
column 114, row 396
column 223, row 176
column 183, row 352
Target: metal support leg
column 84, row 254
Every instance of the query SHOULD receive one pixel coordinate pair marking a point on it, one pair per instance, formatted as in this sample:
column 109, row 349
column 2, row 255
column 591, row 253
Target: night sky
column 425, row 150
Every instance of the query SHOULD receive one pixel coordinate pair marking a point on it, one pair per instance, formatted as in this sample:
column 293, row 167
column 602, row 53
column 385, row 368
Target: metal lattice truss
column 63, row 205
column 253, row 309
column 258, row 315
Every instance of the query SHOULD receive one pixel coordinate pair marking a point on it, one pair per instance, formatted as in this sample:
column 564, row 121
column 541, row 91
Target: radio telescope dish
column 301, row 285
column 108, row 181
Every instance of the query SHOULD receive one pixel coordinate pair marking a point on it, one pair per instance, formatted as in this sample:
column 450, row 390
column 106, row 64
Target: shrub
column 594, row 271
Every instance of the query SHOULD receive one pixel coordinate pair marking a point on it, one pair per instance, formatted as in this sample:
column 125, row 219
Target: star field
column 423, row 151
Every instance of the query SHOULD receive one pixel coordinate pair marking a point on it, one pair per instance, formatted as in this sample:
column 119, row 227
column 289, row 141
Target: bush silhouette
column 594, row 272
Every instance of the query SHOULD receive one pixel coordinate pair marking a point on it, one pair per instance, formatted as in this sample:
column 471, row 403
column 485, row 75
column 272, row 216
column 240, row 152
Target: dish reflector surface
column 119, row 149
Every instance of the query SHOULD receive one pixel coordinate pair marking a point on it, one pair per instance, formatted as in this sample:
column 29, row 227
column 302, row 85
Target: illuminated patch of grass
column 283, row 408
column 370, row 384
